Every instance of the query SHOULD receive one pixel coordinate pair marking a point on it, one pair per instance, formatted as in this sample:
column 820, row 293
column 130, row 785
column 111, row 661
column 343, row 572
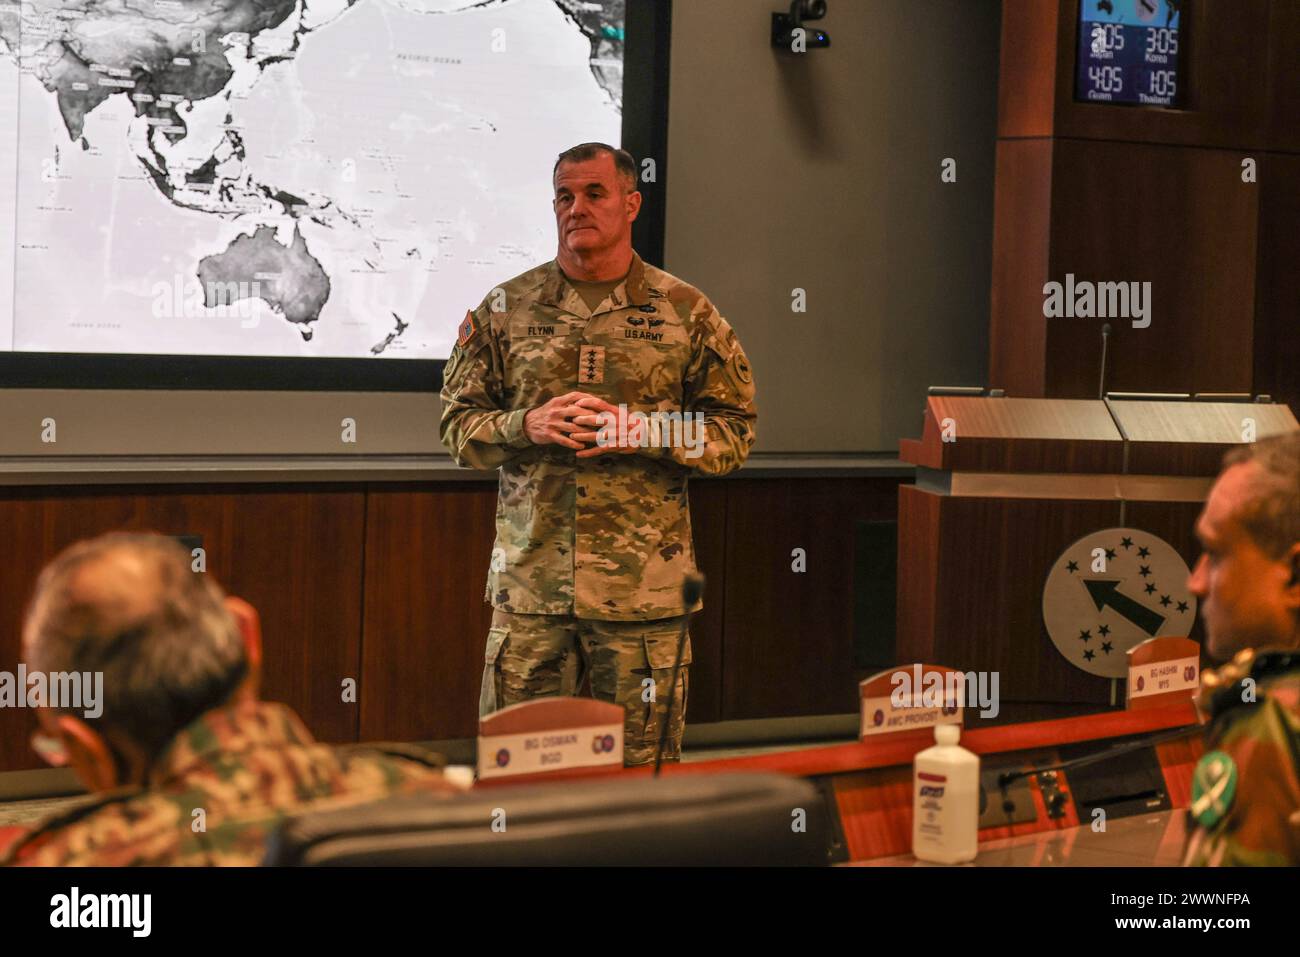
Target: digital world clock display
column 1129, row 52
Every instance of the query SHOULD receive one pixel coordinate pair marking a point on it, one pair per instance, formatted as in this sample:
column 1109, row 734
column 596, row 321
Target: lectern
column 1043, row 537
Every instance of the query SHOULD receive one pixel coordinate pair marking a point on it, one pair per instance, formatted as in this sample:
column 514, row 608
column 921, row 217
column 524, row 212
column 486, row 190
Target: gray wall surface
column 822, row 172
column 819, row 172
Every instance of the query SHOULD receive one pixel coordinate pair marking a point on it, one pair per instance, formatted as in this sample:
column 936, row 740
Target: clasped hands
column 574, row 420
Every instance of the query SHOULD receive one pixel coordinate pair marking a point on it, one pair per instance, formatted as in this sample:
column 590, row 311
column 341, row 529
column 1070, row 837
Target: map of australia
column 351, row 174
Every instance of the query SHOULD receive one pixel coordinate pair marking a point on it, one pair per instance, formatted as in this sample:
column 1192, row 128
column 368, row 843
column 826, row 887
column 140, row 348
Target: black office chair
column 730, row 819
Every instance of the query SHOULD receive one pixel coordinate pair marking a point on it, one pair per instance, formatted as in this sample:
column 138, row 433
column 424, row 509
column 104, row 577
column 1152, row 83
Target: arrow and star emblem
column 1106, row 594
column 1112, row 590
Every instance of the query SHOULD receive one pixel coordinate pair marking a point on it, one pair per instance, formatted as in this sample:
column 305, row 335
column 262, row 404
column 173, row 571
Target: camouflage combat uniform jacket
column 1245, row 807
column 607, row 537
column 245, row 767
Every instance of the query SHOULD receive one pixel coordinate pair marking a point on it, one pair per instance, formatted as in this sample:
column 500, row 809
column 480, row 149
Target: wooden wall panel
column 709, row 501
column 1027, row 89
column 1181, row 219
column 426, row 624
column 427, row 553
column 22, row 535
column 803, row 621
column 1277, row 305
column 1283, row 72
column 281, row 550
column 384, row 584
column 993, row 558
column 1151, row 194
column 918, row 573
column 1242, row 78
column 297, row 558
column 1022, row 206
column 1228, row 77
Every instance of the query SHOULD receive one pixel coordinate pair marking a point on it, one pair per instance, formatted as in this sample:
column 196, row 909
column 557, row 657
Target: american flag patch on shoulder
column 467, row 328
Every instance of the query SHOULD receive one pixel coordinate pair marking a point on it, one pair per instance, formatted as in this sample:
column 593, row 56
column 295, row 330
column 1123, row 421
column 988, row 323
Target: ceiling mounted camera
column 789, row 35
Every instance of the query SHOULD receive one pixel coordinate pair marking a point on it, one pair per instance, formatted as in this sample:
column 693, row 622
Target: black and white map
column 331, row 178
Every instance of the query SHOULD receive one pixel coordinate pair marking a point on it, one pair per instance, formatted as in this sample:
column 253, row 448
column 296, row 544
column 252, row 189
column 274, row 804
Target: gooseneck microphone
column 1150, row 741
column 692, row 589
column 1105, row 339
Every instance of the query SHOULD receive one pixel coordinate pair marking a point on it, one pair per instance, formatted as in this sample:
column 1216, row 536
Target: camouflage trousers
column 530, row 656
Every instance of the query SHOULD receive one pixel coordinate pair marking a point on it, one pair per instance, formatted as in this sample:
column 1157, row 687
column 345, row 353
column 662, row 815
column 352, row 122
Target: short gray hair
column 624, row 164
column 1272, row 516
column 169, row 651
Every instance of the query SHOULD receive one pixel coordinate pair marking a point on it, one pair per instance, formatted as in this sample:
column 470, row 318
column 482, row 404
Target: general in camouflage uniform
column 218, row 793
column 1245, row 807
column 590, row 554
column 1245, row 801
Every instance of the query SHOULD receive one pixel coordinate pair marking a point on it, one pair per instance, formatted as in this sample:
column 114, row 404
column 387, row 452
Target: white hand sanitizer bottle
column 945, row 800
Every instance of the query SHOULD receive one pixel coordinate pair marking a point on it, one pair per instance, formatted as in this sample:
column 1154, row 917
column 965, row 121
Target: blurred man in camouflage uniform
column 1245, row 805
column 186, row 765
column 593, row 529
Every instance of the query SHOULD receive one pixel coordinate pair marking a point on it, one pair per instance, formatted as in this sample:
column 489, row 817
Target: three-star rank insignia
column 467, row 328
column 1214, row 786
column 1111, row 590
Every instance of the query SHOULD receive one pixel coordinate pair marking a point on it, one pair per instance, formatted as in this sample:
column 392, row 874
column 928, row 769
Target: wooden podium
column 1005, row 485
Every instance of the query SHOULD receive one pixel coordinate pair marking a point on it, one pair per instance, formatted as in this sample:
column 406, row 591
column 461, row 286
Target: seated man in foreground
column 1245, row 806
column 187, row 765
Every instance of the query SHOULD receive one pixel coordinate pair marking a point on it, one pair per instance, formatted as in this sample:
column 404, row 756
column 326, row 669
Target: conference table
column 867, row 787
